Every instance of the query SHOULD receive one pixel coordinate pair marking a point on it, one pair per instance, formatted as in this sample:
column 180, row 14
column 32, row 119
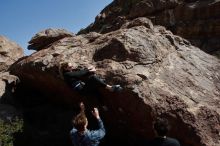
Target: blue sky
column 22, row 19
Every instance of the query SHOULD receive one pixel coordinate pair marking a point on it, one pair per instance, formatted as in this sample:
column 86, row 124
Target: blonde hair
column 80, row 121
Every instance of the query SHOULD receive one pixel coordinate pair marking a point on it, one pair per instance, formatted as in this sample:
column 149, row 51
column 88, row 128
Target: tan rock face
column 162, row 75
column 196, row 20
column 9, row 53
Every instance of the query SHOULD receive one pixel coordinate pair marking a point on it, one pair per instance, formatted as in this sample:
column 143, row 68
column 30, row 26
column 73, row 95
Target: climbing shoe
column 116, row 88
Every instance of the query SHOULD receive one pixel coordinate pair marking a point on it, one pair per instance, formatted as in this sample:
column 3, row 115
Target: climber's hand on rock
column 82, row 106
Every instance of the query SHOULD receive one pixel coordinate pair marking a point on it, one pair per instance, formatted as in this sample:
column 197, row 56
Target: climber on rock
column 80, row 135
column 84, row 80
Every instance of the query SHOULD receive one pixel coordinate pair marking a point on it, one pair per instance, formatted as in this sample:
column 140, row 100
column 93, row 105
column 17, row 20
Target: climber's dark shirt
column 71, row 77
column 84, row 81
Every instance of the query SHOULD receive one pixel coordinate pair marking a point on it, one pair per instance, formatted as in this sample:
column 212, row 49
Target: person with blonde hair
column 84, row 80
column 80, row 135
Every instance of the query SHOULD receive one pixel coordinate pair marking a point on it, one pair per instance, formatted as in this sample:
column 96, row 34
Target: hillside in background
column 195, row 20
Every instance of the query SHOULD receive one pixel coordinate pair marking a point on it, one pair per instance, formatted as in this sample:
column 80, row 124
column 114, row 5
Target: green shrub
column 8, row 129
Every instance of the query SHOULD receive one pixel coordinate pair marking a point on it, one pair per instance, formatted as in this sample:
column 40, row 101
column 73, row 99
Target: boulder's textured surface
column 46, row 37
column 195, row 20
column 162, row 75
column 9, row 53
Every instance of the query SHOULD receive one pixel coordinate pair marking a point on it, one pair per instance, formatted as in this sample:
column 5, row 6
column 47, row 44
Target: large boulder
column 9, row 53
column 195, row 20
column 162, row 75
column 46, row 37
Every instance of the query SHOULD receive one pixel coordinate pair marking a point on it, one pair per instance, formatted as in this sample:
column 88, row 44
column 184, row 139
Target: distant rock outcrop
column 196, row 20
column 9, row 53
column 46, row 37
column 162, row 75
